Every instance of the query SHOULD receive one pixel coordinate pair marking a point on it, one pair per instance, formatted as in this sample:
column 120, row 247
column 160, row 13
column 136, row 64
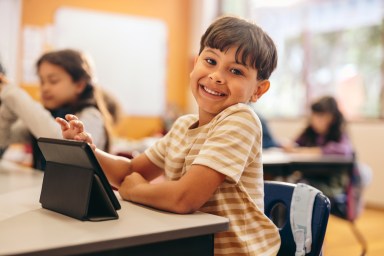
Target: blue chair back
column 280, row 193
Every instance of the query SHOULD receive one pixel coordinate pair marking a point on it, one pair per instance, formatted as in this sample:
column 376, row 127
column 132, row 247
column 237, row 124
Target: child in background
column 66, row 86
column 211, row 161
column 325, row 133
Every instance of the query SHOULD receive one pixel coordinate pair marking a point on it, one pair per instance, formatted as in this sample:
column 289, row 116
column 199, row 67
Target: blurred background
column 143, row 52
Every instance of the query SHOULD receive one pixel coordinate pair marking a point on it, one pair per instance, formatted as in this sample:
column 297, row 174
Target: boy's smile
column 211, row 93
column 218, row 81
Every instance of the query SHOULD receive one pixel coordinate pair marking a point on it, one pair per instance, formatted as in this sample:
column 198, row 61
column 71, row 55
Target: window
column 325, row 47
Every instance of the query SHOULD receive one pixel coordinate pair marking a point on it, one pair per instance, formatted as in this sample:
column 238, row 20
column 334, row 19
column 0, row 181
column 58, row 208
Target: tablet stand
column 76, row 192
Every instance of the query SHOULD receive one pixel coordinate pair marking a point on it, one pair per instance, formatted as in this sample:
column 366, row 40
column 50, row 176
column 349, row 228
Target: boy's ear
column 195, row 60
column 261, row 88
column 193, row 64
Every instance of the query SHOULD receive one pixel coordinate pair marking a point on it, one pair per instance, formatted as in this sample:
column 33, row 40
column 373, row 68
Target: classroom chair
column 277, row 206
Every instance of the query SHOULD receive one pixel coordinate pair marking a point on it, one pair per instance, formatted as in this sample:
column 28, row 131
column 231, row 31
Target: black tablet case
column 70, row 187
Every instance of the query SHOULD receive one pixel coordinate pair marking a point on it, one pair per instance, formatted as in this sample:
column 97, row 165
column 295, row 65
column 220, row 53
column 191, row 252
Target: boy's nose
column 216, row 77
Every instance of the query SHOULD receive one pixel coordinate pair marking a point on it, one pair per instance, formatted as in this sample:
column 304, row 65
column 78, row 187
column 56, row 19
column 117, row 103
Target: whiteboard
column 128, row 52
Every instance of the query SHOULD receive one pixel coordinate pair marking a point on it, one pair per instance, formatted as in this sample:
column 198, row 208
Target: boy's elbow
column 185, row 206
column 182, row 208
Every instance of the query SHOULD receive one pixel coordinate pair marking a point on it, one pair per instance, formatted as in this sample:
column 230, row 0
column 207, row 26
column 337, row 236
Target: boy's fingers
column 84, row 136
column 77, row 125
column 64, row 124
column 71, row 117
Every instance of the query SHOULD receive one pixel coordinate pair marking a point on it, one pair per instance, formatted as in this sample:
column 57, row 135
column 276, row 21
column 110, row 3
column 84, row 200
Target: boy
column 211, row 161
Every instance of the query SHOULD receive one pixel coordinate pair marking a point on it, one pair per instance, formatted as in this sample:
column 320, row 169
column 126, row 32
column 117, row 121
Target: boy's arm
column 185, row 195
column 114, row 167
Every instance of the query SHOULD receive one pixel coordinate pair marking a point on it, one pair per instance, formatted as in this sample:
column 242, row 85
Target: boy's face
column 218, row 82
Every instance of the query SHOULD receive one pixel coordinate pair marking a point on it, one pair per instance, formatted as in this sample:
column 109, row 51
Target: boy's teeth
column 212, row 92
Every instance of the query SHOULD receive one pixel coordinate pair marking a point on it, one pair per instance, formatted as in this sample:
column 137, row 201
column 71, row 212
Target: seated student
column 325, row 132
column 211, row 161
column 66, row 86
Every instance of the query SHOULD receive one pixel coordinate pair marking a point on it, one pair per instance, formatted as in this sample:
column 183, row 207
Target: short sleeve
column 160, row 152
column 233, row 142
column 156, row 153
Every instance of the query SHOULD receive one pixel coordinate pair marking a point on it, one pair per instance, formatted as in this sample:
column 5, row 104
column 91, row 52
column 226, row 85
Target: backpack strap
column 303, row 199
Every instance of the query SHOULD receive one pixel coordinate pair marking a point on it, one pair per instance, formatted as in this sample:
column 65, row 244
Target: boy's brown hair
column 255, row 47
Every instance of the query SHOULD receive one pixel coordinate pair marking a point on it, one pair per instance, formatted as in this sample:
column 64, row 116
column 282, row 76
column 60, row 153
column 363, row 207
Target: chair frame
column 276, row 192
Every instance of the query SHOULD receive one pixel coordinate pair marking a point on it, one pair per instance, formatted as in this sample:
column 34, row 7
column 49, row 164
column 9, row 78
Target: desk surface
column 25, row 227
column 276, row 156
column 277, row 163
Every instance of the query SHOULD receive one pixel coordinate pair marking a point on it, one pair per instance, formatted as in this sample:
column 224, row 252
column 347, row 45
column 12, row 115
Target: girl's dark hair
column 72, row 61
column 255, row 47
column 325, row 104
column 78, row 67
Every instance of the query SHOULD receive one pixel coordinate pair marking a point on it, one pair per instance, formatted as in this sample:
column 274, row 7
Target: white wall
column 10, row 37
column 368, row 139
column 131, row 73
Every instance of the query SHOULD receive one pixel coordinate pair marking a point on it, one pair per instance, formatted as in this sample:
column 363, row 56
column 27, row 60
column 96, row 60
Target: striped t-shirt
column 231, row 145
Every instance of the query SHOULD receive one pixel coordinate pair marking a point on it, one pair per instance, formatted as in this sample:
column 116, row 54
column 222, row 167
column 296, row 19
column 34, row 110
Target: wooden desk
column 28, row 229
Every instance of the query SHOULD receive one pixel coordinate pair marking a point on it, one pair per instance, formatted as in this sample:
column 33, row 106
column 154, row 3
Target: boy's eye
column 210, row 61
column 53, row 81
column 236, row 72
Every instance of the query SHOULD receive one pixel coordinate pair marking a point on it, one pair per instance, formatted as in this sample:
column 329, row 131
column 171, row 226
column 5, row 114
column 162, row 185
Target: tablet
column 76, row 153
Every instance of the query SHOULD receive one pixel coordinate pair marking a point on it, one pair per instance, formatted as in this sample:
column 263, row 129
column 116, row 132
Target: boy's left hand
column 73, row 129
column 129, row 183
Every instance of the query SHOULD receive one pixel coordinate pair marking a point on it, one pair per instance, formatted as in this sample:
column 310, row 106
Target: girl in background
column 326, row 135
column 325, row 132
column 66, row 86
